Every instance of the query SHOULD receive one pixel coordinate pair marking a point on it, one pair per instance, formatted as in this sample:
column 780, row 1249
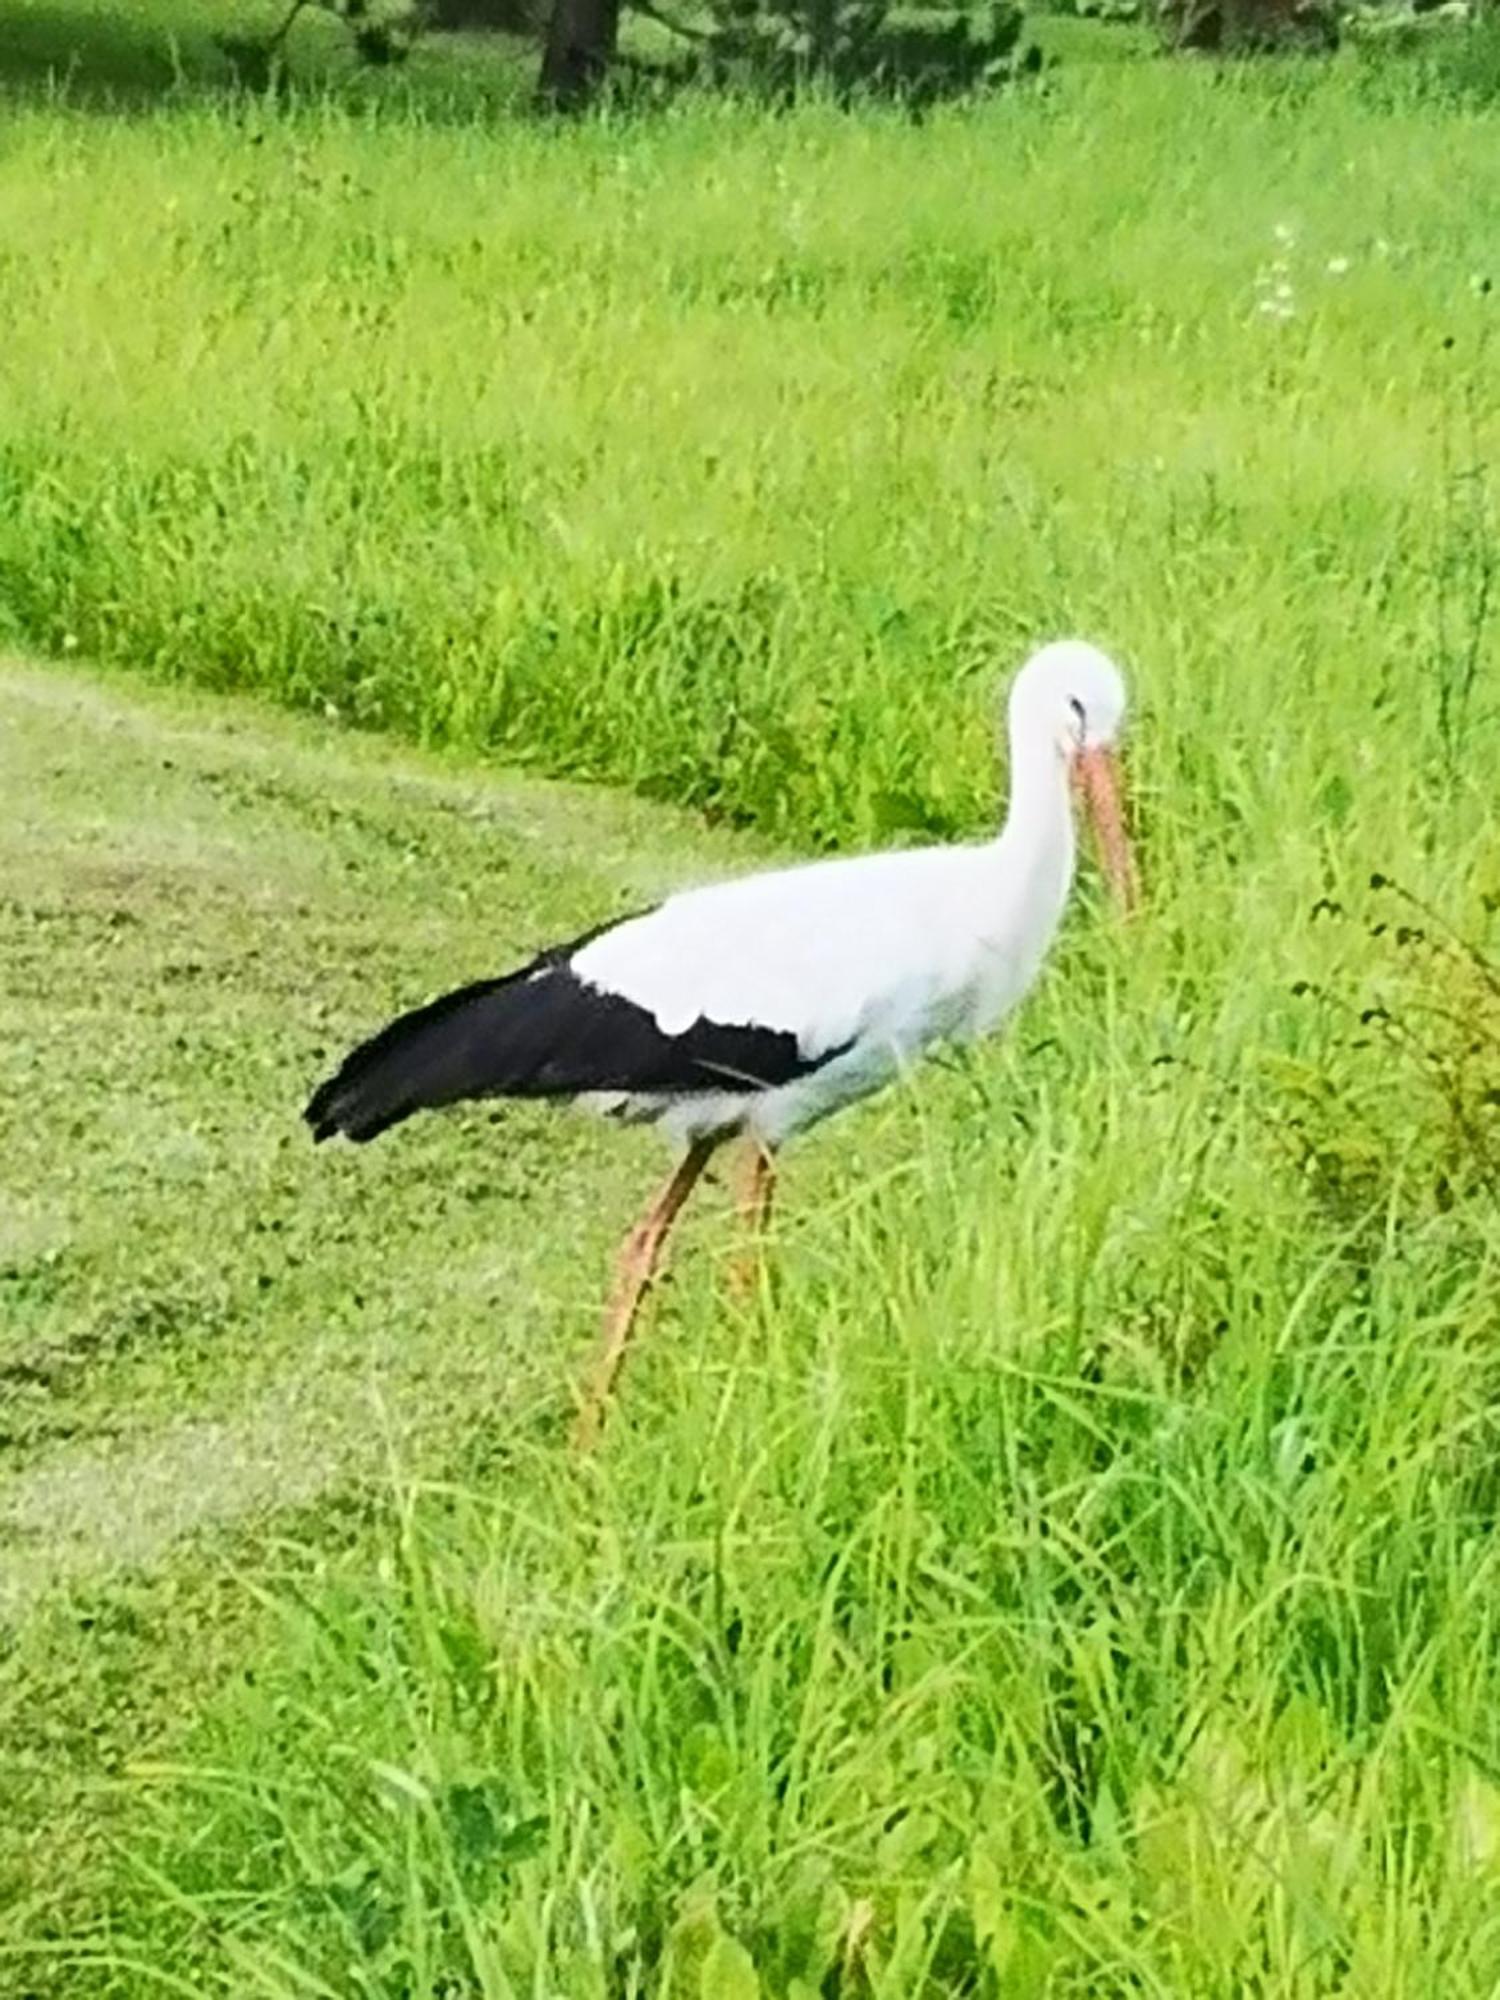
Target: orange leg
column 640, row 1259
column 757, row 1188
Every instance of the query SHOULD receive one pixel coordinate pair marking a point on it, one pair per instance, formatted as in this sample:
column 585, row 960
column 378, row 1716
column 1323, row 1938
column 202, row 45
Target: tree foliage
column 1245, row 26
column 917, row 50
column 920, row 50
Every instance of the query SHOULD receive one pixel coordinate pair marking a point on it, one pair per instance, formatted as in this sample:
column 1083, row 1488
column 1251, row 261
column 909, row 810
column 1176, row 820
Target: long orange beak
column 1097, row 776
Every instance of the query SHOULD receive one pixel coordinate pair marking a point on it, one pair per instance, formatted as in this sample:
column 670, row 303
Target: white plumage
column 864, row 962
column 868, row 961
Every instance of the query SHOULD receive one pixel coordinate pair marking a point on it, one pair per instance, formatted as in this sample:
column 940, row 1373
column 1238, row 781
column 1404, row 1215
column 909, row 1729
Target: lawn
column 1073, row 1572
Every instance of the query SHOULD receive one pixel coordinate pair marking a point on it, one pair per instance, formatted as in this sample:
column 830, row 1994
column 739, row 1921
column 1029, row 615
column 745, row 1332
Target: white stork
column 757, row 1006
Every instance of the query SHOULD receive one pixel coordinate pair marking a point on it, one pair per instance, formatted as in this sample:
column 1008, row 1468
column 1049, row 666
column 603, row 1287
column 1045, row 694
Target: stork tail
column 463, row 1045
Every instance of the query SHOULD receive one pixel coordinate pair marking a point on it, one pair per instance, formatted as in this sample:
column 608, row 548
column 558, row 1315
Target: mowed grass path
column 203, row 1322
column 200, row 914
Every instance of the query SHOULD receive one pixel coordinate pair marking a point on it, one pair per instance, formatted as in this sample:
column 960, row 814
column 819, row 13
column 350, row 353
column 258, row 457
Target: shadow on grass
column 87, row 56
column 97, row 57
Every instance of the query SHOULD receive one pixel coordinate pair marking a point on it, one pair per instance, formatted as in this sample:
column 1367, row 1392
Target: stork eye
column 1077, row 707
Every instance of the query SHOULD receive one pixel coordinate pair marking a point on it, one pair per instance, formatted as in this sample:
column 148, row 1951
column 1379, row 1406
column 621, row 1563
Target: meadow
column 1073, row 1572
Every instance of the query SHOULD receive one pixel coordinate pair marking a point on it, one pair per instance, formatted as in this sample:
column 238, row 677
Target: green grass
column 1074, row 1573
column 728, row 458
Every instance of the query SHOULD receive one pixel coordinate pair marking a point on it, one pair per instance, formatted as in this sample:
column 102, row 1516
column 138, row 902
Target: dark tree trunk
column 580, row 48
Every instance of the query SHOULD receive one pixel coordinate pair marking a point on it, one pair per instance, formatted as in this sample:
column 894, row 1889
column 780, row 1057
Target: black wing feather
column 540, row 1031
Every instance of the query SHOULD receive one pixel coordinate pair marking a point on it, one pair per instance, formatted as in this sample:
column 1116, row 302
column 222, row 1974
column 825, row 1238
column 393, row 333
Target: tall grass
column 1074, row 1574
column 730, row 458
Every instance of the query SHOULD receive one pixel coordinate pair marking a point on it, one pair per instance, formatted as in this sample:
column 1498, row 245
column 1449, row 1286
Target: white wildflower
column 1337, row 266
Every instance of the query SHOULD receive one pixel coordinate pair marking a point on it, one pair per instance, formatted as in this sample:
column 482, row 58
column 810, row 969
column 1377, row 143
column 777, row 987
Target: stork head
column 1069, row 700
column 1071, row 694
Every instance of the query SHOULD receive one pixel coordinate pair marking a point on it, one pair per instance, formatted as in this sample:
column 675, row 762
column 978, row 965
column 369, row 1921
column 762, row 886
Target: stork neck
column 1039, row 824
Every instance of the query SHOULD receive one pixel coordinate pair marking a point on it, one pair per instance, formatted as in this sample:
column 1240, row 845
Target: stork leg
column 640, row 1258
column 757, row 1189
